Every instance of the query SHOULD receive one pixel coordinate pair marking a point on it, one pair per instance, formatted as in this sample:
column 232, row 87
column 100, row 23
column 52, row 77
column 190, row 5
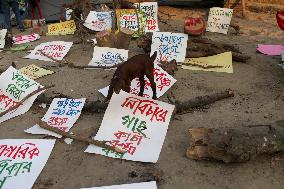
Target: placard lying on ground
column 163, row 80
column 15, row 86
column 62, row 28
column 35, row 72
column 272, row 50
column 169, row 46
column 219, row 20
column 22, row 160
column 25, row 38
column 142, row 185
column 135, row 124
column 99, row 21
column 55, row 49
column 3, row 33
column 218, row 63
column 150, row 10
column 127, row 18
column 62, row 114
column 105, row 56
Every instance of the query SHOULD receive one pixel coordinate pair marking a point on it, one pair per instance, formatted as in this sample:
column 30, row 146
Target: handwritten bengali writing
column 150, row 12
column 6, row 102
column 108, row 152
column 103, row 21
column 26, row 150
column 219, row 20
column 110, row 58
column 55, row 51
column 221, row 12
column 63, row 28
column 134, row 124
column 146, row 107
column 129, row 21
column 25, row 38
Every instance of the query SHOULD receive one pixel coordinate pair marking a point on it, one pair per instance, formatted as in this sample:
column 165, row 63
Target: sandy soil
column 259, row 87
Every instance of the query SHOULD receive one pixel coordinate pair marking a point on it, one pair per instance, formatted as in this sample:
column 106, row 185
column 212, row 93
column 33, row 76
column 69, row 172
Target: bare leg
column 142, row 85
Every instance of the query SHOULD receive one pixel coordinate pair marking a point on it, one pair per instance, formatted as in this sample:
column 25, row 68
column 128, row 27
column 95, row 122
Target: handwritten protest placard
column 218, row 63
column 150, row 10
column 25, row 38
column 219, row 20
column 163, row 81
column 22, row 160
column 62, row 28
column 169, row 46
column 139, row 127
column 55, row 49
column 35, row 72
column 127, row 18
column 99, row 21
column 142, row 185
column 3, row 33
column 15, row 86
column 105, row 56
column 62, row 114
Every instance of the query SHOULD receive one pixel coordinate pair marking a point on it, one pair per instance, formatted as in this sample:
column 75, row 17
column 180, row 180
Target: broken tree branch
column 101, row 144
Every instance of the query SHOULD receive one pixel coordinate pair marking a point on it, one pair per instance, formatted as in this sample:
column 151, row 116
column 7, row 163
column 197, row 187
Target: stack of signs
column 34, row 72
column 22, row 160
column 2, row 38
column 25, row 38
column 218, row 63
column 169, row 46
column 106, row 56
column 163, row 81
column 62, row 28
column 142, row 185
column 54, row 49
column 139, row 127
column 99, row 21
column 14, row 87
column 62, row 114
column 150, row 10
column 132, row 19
column 219, row 20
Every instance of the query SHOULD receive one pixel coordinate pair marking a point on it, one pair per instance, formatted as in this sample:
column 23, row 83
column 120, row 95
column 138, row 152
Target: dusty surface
column 259, row 88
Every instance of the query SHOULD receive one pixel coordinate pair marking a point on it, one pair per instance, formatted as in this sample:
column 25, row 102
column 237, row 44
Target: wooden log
column 238, row 144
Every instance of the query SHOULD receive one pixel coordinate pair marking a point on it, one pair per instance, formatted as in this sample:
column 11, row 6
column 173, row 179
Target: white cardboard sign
column 136, row 125
column 25, row 38
column 99, row 21
column 22, row 160
column 3, row 33
column 219, row 20
column 105, row 56
column 142, row 185
column 150, row 10
column 55, row 49
column 169, row 46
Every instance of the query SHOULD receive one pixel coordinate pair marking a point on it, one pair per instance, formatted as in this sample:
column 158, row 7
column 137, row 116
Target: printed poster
column 3, row 33
column 169, row 46
column 163, row 80
column 106, row 56
column 22, row 160
column 142, row 185
column 99, row 21
column 14, row 86
column 62, row 114
column 136, row 125
column 219, row 20
column 21, row 39
column 218, row 63
column 55, row 49
column 35, row 72
column 150, row 10
column 62, row 28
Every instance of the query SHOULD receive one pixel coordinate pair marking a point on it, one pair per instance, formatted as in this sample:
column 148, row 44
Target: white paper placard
column 219, row 20
column 3, row 33
column 68, row 13
column 105, row 56
column 169, row 46
column 163, row 80
column 142, row 185
column 14, row 86
column 55, row 49
column 150, row 10
column 99, row 21
column 22, row 160
column 25, row 38
column 135, row 124
column 62, row 114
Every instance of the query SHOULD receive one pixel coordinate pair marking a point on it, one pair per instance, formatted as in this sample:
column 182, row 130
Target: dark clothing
column 5, row 6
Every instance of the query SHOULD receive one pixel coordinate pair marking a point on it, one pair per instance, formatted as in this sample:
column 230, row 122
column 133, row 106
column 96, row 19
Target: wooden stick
column 24, row 99
column 101, row 144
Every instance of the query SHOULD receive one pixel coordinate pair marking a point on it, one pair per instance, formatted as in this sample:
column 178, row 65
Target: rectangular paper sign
column 136, row 125
column 219, row 20
column 150, row 10
column 99, row 21
column 142, row 185
column 62, row 28
column 35, row 72
column 25, row 38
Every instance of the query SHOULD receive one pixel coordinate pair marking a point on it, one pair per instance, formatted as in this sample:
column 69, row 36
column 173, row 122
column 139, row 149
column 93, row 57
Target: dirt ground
column 259, row 88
